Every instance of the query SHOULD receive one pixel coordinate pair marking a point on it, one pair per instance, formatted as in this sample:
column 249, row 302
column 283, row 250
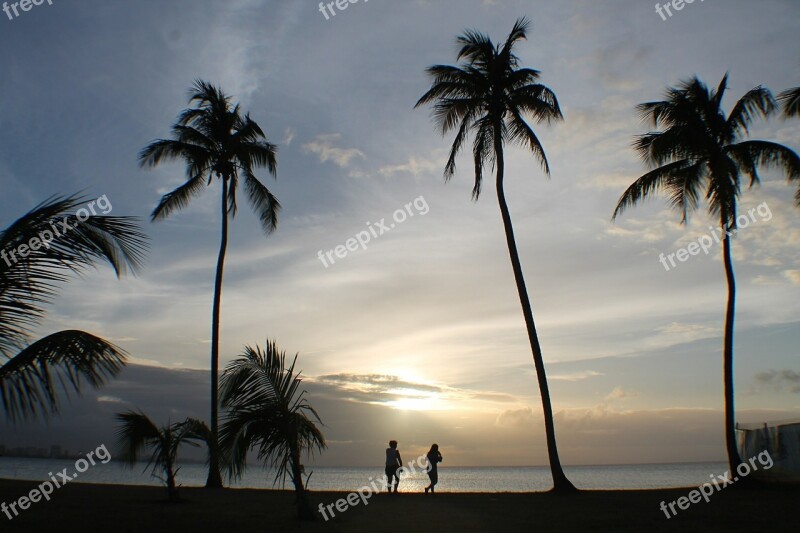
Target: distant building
column 55, row 452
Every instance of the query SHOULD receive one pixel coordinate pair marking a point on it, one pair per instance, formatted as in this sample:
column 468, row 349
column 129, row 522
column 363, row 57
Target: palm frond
column 265, row 204
column 57, row 243
column 518, row 33
column 192, row 428
column 650, row 184
column 178, row 198
column 769, row 155
column 452, row 82
column 522, row 133
column 790, row 99
column 756, row 102
column 483, row 153
column 32, row 381
column 135, row 433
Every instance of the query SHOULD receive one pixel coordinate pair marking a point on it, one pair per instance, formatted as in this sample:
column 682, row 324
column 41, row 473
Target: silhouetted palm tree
column 216, row 141
column 39, row 251
column 489, row 95
column 268, row 412
column 700, row 152
column 138, row 433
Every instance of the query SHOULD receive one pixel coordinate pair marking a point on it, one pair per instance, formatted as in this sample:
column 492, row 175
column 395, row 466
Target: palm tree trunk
column 304, row 511
column 730, row 416
column 172, row 490
column 560, row 481
column 214, row 480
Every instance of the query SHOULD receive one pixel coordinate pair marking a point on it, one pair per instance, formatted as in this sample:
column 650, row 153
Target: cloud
column 414, row 166
column 323, row 147
column 793, row 276
column 680, row 332
column 637, row 230
column 391, row 390
column 780, row 380
column 575, row 376
column 375, row 382
column 515, row 418
column 620, row 63
column 619, row 394
column 607, row 181
column 109, row 399
column 288, row 136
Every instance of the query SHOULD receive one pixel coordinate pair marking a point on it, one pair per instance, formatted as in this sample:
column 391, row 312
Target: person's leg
column 389, row 475
column 394, row 480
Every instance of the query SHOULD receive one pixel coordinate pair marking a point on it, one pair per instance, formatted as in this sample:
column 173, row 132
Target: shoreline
column 132, row 508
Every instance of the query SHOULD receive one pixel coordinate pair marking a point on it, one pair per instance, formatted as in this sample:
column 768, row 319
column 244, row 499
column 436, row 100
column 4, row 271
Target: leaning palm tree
column 701, row 152
column 137, row 433
column 215, row 141
column 490, row 96
column 39, row 251
column 268, row 412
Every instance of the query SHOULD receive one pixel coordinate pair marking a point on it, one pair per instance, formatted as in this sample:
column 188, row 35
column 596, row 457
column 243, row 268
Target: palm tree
column 39, row 251
column 489, row 95
column 266, row 411
column 137, row 433
column 216, row 141
column 701, row 151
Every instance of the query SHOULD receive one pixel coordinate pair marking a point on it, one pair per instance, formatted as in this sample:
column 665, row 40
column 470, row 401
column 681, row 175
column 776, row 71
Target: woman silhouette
column 434, row 457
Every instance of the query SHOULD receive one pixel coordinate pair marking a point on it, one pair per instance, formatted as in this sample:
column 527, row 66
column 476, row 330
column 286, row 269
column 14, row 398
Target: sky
column 418, row 335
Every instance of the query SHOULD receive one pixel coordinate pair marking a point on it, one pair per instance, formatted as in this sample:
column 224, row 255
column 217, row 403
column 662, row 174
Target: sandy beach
column 117, row 508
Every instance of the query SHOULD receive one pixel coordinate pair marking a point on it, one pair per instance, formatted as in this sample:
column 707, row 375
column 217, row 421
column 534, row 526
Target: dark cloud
column 377, row 381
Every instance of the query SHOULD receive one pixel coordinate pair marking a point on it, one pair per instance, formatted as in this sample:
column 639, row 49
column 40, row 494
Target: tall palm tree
column 268, row 412
column 215, row 141
column 701, row 152
column 137, row 433
column 39, row 251
column 490, row 96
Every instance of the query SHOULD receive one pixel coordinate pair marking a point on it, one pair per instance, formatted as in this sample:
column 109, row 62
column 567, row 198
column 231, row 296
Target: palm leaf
column 31, row 381
column 135, row 433
column 30, row 282
column 790, row 99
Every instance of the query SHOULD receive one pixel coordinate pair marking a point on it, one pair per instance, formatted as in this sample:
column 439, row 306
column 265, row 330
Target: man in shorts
column 393, row 463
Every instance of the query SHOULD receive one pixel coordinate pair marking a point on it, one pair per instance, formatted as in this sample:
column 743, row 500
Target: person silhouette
column 393, row 463
column 434, row 457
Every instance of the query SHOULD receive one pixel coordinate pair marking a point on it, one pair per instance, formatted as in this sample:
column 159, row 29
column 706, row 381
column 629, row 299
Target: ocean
column 451, row 479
